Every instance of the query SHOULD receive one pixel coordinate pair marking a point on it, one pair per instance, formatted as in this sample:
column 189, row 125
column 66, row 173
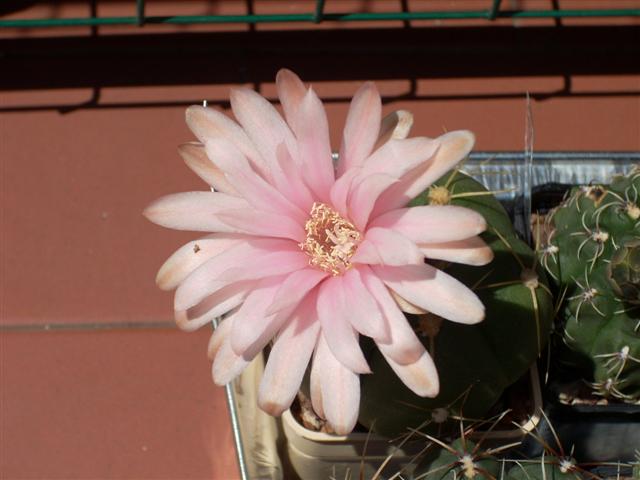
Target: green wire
column 316, row 17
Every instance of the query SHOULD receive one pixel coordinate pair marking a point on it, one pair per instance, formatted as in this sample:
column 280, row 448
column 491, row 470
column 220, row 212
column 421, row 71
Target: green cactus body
column 592, row 252
column 475, row 363
column 461, row 459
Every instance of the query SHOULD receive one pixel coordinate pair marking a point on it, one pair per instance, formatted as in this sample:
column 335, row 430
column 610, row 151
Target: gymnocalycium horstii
column 591, row 251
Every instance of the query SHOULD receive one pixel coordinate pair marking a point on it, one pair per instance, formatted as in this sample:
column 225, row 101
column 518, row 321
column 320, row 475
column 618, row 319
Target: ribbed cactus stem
column 592, row 251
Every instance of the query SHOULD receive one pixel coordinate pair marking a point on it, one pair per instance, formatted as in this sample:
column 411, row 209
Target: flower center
column 331, row 240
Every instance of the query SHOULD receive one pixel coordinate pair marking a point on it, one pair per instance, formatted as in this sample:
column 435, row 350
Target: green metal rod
column 319, row 11
column 495, row 8
column 140, row 12
column 311, row 17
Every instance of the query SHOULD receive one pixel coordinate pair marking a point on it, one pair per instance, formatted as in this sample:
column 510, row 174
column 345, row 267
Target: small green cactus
column 475, row 363
column 591, row 250
column 461, row 458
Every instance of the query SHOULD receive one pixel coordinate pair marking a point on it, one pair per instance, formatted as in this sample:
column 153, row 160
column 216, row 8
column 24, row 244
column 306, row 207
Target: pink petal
column 387, row 247
column 191, row 255
column 291, row 92
column 196, row 159
column 186, row 324
column 226, row 364
column 340, row 191
column 315, row 380
column 433, row 290
column 251, row 322
column 209, row 124
column 471, row 251
column 213, row 306
column 420, row 377
column 262, row 224
column 263, row 124
column 340, row 388
column 364, row 313
column 403, row 346
column 361, row 128
column 312, row 132
column 454, row 146
column 433, row 223
column 364, row 195
column 269, row 264
column 215, row 273
column 406, row 306
column 295, row 288
column 396, row 125
column 288, row 180
column 195, row 211
column 249, row 184
column 218, row 336
column 398, row 157
column 336, row 325
column 288, row 359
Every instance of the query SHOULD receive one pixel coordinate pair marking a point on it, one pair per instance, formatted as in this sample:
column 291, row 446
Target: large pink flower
column 312, row 255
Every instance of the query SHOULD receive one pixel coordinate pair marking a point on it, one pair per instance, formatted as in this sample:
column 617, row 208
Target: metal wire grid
column 319, row 15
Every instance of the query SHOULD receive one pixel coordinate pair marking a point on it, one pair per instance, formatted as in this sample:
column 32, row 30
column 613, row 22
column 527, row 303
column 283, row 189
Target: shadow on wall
column 411, row 54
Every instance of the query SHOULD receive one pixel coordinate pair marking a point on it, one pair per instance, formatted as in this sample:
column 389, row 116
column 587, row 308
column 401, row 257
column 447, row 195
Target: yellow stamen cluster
column 331, row 240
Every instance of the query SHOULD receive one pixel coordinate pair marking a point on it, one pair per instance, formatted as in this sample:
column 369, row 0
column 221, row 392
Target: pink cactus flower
column 309, row 254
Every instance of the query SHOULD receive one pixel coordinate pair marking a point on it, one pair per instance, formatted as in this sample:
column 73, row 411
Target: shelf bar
column 312, row 17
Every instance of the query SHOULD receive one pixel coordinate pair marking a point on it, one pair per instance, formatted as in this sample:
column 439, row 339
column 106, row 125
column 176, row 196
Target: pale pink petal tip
column 195, row 211
column 434, row 291
column 186, row 324
column 420, row 377
column 406, row 306
column 226, row 364
column 361, row 127
column 190, row 256
column 433, row 223
column 340, row 389
column 396, row 126
column 472, row 251
column 291, row 92
column 195, row 156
